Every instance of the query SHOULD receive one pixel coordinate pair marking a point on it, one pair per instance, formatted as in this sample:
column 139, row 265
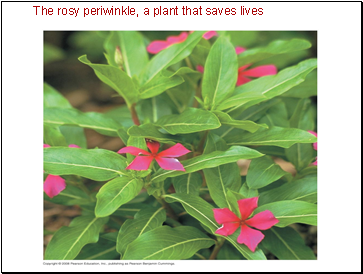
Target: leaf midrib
column 88, row 166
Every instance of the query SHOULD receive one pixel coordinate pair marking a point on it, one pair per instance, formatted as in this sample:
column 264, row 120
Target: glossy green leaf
column 102, row 250
column 151, row 110
column 203, row 212
column 305, row 189
column 286, row 244
column 274, row 48
column 71, row 195
column 115, row 193
column 169, row 56
column 150, row 131
column 73, row 117
column 53, row 98
column 116, row 79
column 276, row 116
column 67, row 242
column 74, row 135
column 94, row 164
column 222, row 177
column 166, row 243
column 188, row 183
column 216, row 158
column 306, row 89
column 248, row 192
column 220, row 72
column 239, row 100
column 53, row 136
column 228, row 252
column 262, row 172
column 191, row 120
column 289, row 212
column 275, row 136
column 301, row 155
column 144, row 221
column 271, row 86
column 158, row 85
column 250, row 126
column 134, row 54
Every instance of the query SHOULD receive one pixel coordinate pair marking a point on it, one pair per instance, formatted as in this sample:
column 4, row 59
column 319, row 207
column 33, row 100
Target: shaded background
column 78, row 83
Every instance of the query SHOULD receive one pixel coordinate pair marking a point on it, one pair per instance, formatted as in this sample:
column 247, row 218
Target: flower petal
column 227, row 229
column 263, row 220
column 75, row 146
column 247, row 206
column 157, row 46
column 315, row 145
column 53, row 185
column 153, row 146
column 175, row 151
column 45, row 145
column 250, row 237
column 133, row 151
column 209, row 34
column 140, row 163
column 242, row 80
column 261, row 71
column 239, row 50
column 224, row 215
column 169, row 163
column 316, row 162
column 242, row 69
column 177, row 39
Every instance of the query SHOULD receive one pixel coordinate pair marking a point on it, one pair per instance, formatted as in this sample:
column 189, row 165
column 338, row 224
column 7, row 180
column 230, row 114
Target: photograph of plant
column 176, row 145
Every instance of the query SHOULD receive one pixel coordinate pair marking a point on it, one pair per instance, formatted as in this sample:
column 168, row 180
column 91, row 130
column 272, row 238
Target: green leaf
column 169, row 56
column 220, row 75
column 116, row 79
column 115, row 193
column 133, row 50
column 159, row 84
column 74, row 135
column 150, row 131
column 188, row 183
column 209, row 160
column 191, row 120
column 53, row 136
column 94, row 164
column 222, row 177
column 153, row 109
column 166, row 243
column 228, row 252
column 53, row 98
column 71, row 195
column 274, row 48
column 203, row 212
column 73, row 117
column 270, row 86
column 275, row 136
column 286, row 244
column 262, row 172
column 102, row 250
column 290, row 212
column 248, row 192
column 250, row 126
column 306, row 89
column 305, row 189
column 301, row 155
column 144, row 221
column 52, row 53
column 67, row 242
column 276, row 116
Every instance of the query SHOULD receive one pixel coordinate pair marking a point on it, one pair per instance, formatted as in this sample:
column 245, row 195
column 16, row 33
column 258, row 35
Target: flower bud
column 118, row 57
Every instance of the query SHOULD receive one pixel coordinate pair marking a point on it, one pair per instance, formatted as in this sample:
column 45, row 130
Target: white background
column 339, row 123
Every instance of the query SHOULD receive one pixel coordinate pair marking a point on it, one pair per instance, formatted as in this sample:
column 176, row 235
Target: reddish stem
column 134, row 116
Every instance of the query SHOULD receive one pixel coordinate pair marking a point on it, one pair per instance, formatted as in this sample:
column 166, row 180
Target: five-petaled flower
column 248, row 236
column 315, row 145
column 166, row 159
column 54, row 184
column 156, row 46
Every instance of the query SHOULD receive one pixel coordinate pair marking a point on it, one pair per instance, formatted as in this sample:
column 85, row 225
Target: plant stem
column 168, row 208
column 216, row 249
column 134, row 116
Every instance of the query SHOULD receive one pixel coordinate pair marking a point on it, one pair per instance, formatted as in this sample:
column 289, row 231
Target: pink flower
column 315, row 145
column 248, row 236
column 243, row 74
column 239, row 50
column 166, row 159
column 158, row 45
column 54, row 184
